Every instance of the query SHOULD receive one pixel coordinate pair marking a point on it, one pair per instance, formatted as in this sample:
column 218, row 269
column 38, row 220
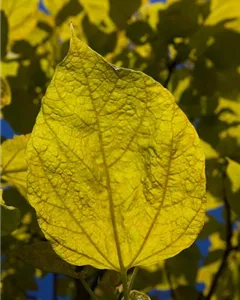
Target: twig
column 169, row 279
column 87, row 287
column 171, row 68
column 229, row 247
column 132, row 278
column 124, row 278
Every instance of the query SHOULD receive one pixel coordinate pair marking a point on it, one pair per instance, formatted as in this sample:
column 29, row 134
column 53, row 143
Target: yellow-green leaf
column 54, row 6
column 98, row 13
column 13, row 165
column 22, row 17
column 116, row 170
column 10, row 217
column 221, row 10
column 9, row 68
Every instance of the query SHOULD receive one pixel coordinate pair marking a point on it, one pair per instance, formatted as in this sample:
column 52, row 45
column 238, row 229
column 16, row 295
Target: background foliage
column 191, row 47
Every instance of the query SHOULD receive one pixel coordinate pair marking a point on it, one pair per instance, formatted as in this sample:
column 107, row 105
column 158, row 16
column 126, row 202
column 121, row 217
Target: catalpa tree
column 118, row 113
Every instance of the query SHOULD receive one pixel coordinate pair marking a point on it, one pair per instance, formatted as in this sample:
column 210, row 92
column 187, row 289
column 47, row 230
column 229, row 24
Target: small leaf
column 116, row 170
column 10, row 218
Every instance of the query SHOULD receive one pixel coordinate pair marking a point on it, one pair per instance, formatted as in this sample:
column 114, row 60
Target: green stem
column 87, row 287
column 125, row 285
column 133, row 276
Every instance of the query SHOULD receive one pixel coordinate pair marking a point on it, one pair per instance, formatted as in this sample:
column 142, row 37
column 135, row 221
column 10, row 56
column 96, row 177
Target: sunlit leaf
column 9, row 68
column 13, row 165
column 21, row 16
column 150, row 13
column 115, row 173
column 225, row 10
column 10, row 218
column 54, row 6
column 98, row 13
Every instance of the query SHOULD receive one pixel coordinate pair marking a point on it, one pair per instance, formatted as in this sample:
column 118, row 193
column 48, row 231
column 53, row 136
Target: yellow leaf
column 54, row 6
column 9, row 68
column 116, row 170
column 150, row 13
column 13, row 166
column 98, row 13
column 209, row 151
column 221, row 10
column 21, row 17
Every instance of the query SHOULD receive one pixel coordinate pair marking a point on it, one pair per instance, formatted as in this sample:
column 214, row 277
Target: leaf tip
column 72, row 29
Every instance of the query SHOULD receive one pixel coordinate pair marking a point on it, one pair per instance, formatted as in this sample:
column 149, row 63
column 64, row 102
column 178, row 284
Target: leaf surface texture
column 116, row 170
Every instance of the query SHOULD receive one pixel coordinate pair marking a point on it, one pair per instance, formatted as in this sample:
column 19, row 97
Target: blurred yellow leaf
column 9, row 68
column 22, row 17
column 54, row 6
column 13, row 165
column 209, row 151
column 98, row 13
column 221, row 10
column 150, row 13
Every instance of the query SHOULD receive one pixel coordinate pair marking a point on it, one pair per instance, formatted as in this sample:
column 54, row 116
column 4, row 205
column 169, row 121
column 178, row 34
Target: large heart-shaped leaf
column 116, row 170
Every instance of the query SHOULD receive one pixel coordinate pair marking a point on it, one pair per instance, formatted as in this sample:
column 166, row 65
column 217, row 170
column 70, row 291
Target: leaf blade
column 113, row 165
